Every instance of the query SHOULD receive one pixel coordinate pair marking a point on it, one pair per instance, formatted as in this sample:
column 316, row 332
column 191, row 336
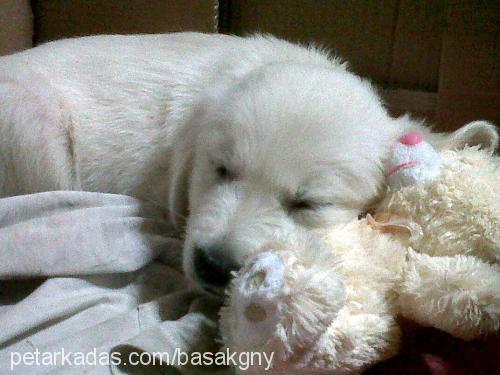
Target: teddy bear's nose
column 412, row 138
column 212, row 268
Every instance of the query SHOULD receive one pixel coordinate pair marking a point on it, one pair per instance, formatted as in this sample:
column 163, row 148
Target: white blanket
column 96, row 276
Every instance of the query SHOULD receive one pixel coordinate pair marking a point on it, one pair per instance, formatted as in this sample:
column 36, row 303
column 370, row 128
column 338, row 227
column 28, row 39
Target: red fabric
column 429, row 351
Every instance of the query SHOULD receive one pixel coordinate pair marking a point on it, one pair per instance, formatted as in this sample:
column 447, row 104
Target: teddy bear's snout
column 413, row 161
column 412, row 138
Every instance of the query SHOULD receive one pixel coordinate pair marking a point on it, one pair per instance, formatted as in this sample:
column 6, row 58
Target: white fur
column 154, row 115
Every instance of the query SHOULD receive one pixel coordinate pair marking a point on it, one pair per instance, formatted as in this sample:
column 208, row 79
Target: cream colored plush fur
column 431, row 253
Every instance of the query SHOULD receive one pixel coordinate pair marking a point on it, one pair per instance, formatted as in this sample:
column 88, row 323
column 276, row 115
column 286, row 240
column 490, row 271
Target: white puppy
column 255, row 137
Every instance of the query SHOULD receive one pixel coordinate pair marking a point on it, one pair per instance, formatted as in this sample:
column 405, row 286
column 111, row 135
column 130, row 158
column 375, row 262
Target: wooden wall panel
column 470, row 52
column 359, row 31
column 469, row 71
column 455, row 109
column 421, row 104
column 55, row 19
column 16, row 26
column 417, row 45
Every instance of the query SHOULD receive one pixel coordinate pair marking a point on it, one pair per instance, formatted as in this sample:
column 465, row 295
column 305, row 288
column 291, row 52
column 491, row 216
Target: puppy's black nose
column 212, row 268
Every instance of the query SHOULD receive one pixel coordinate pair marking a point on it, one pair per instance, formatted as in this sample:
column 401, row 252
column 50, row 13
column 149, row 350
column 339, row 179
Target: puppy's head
column 288, row 147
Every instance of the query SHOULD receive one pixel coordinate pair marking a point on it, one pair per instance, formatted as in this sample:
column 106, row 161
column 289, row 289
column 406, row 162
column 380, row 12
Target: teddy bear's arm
column 457, row 294
column 352, row 343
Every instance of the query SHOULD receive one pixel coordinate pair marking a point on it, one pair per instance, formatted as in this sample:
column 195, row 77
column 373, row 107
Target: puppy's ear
column 184, row 149
column 476, row 133
column 181, row 167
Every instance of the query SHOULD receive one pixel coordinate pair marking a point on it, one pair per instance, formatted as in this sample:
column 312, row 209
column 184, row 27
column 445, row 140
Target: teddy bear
column 330, row 300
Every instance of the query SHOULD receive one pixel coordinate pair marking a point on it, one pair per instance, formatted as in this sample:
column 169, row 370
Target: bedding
column 97, row 276
column 100, row 275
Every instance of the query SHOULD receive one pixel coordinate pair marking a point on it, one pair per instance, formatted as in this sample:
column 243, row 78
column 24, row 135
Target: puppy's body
column 108, row 106
column 113, row 103
column 256, row 136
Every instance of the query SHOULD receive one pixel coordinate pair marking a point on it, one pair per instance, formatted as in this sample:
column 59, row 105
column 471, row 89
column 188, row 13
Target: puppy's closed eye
column 304, row 205
column 300, row 205
column 223, row 173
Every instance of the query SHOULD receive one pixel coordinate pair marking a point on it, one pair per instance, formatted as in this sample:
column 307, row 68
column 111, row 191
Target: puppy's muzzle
column 212, row 267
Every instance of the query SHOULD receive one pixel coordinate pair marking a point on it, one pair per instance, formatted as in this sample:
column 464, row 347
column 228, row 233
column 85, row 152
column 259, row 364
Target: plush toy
column 430, row 253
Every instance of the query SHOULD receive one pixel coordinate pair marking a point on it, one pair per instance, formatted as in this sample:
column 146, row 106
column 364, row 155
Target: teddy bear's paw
column 457, row 294
column 278, row 303
column 256, row 300
column 262, row 278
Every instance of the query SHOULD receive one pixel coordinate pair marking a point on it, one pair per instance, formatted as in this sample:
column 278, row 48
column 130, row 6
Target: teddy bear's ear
column 476, row 133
